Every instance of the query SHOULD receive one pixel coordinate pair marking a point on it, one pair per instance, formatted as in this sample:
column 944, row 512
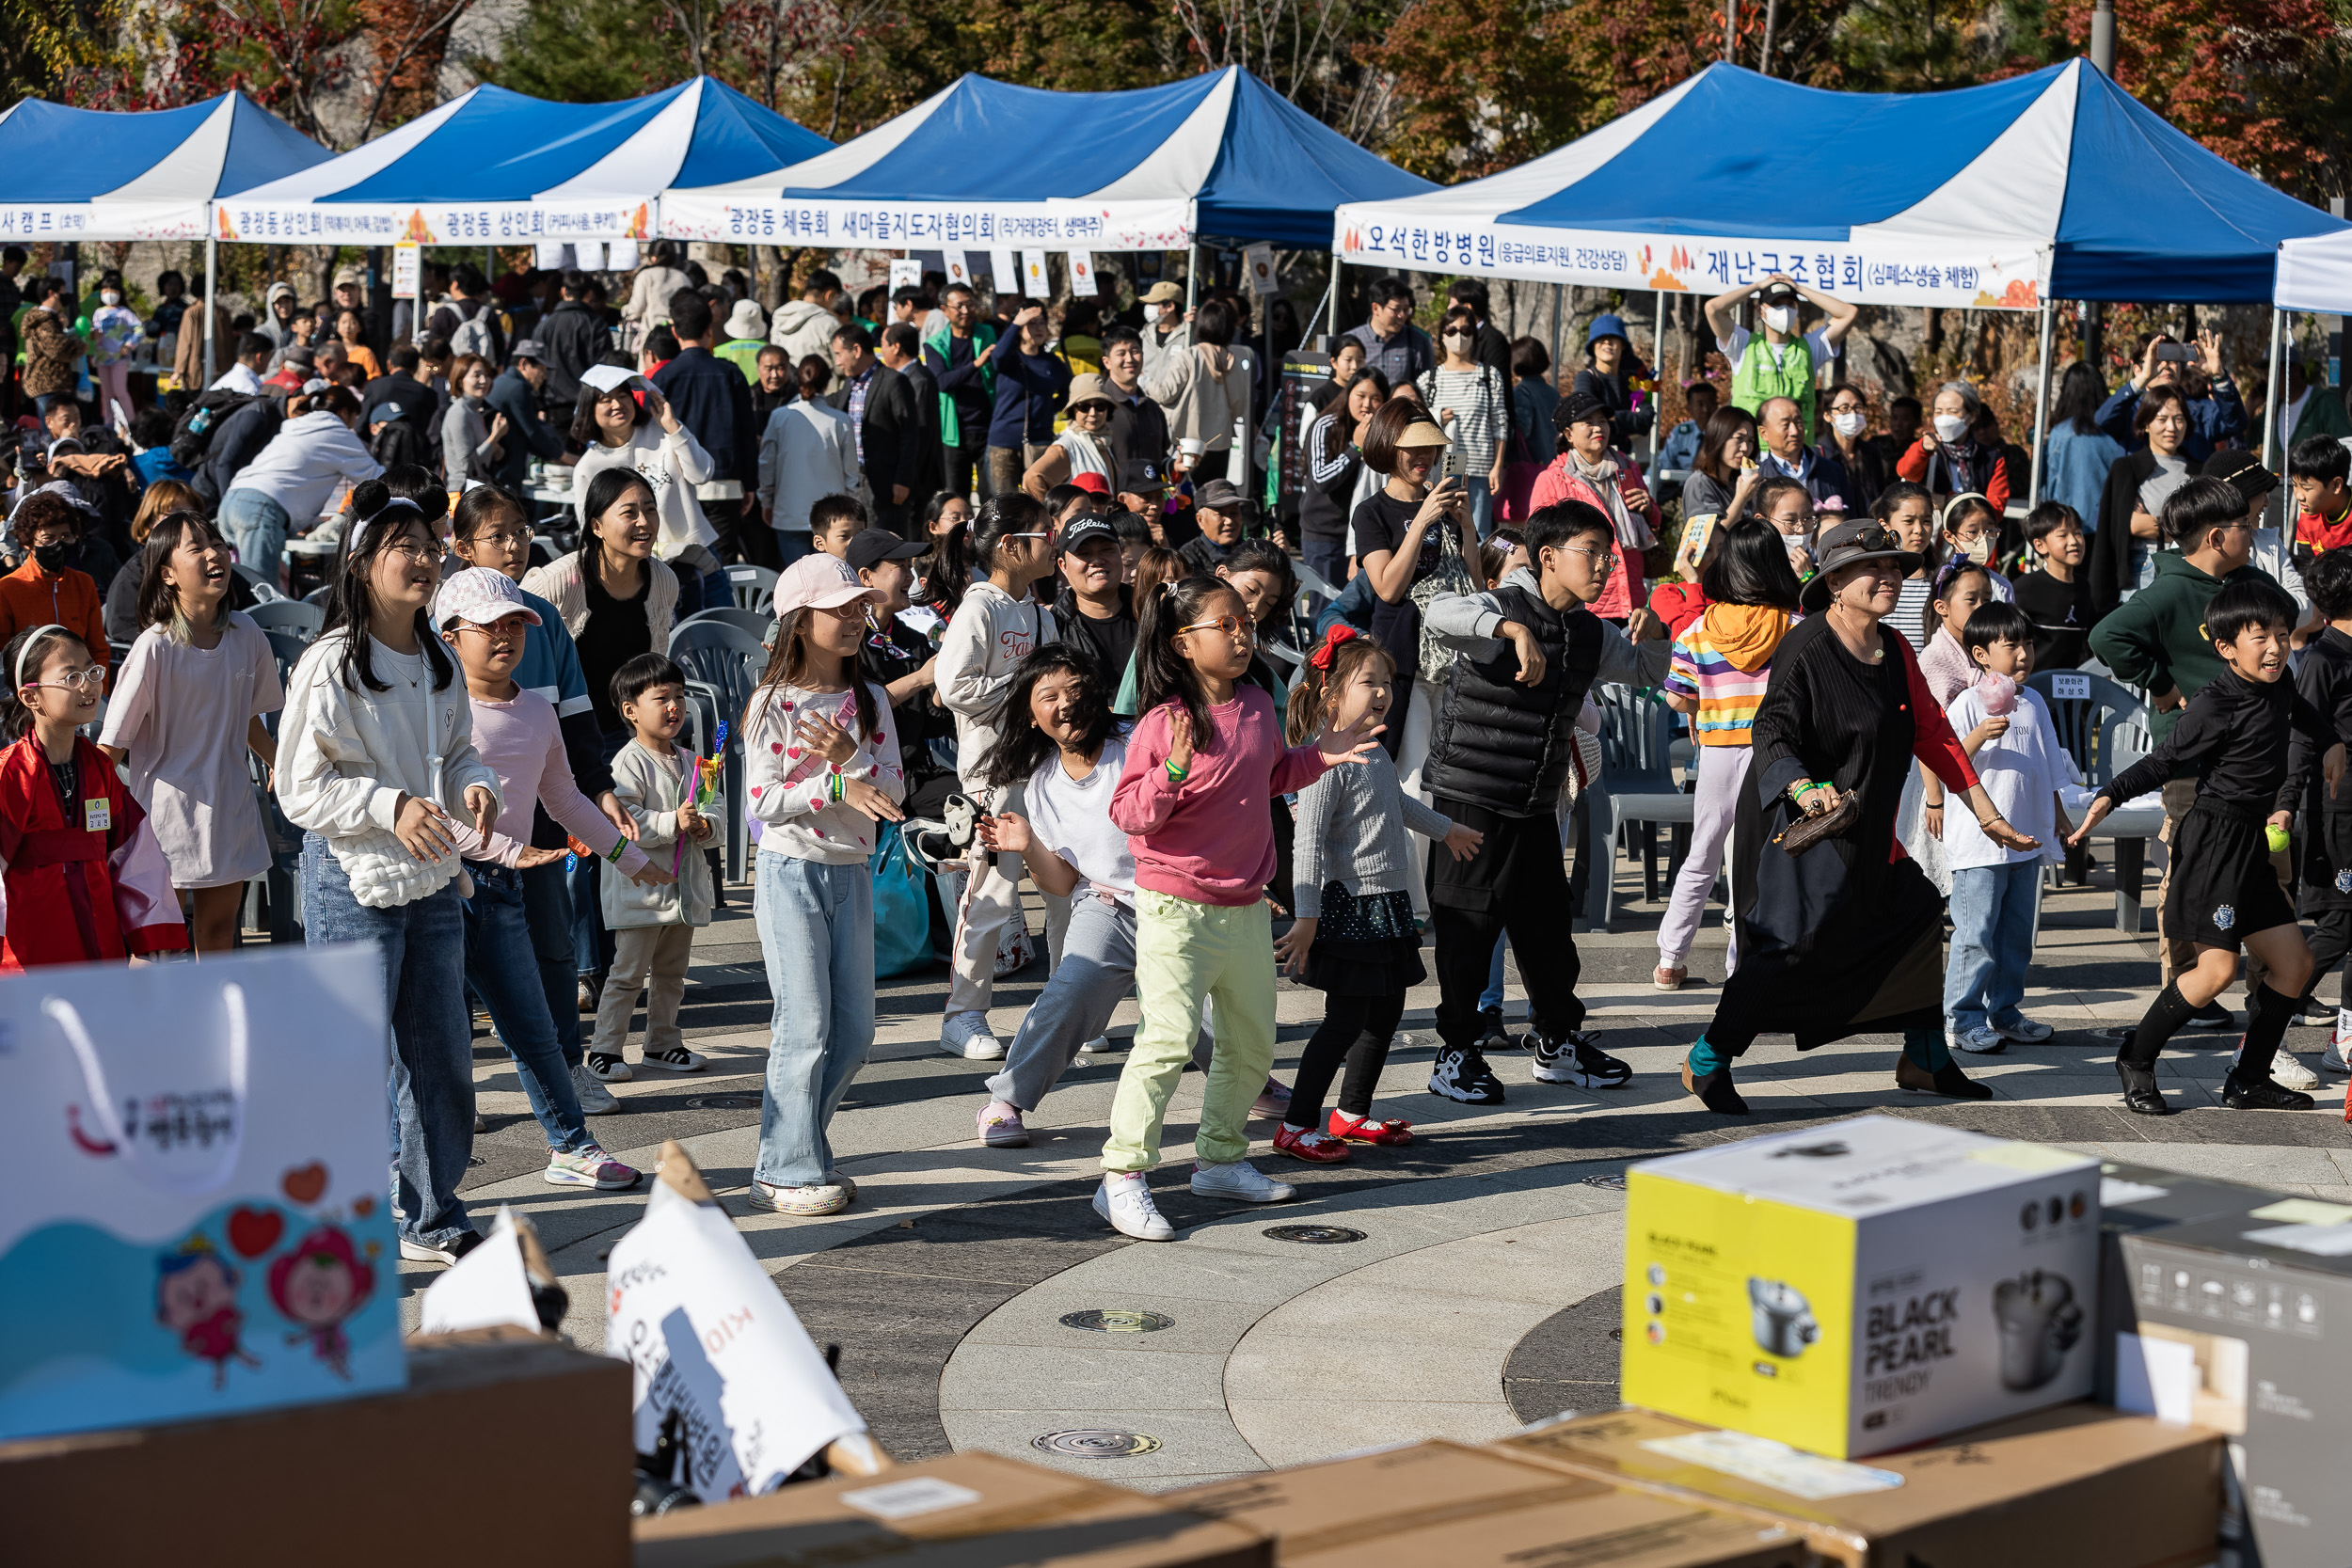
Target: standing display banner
column 1302, row 369
column 1258, row 262
column 407, row 271
column 195, row 1159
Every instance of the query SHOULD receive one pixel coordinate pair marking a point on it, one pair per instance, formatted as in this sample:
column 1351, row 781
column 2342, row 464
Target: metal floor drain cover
column 725, row 1102
column 1118, row 1320
column 1095, row 1443
column 1315, row 1235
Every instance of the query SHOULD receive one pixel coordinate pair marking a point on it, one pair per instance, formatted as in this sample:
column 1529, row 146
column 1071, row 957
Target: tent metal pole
column 1192, row 276
column 1657, row 364
column 212, row 295
column 1332, row 329
column 1555, row 335
column 2040, row 410
column 2271, row 387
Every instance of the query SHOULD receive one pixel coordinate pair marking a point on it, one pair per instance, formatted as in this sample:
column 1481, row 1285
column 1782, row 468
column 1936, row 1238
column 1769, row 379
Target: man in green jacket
column 1777, row 362
column 958, row 356
column 2310, row 409
column 2156, row 639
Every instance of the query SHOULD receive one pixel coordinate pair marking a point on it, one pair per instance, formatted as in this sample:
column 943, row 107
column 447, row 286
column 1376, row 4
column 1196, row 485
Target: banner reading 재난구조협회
column 1870, row 268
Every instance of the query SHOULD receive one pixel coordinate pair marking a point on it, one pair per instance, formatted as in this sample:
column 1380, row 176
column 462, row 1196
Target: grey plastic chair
column 293, row 616
column 761, row 625
column 722, row 664
column 753, row 587
column 2103, row 727
column 1637, row 786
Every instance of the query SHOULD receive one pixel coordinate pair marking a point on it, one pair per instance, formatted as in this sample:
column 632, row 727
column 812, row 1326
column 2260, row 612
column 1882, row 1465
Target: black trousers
column 2331, row 939
column 967, row 469
column 1516, row 886
column 1357, row 1029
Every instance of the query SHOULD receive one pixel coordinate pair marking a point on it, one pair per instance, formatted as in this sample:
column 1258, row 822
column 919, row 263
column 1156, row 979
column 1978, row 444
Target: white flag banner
column 1081, row 273
column 905, row 274
column 1034, row 283
column 1004, row 275
column 958, row 267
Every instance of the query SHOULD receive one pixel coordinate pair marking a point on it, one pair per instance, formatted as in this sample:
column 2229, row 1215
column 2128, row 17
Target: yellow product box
column 1862, row 1286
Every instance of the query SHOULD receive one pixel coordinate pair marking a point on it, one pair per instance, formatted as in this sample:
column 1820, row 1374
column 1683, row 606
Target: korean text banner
column 1154, row 225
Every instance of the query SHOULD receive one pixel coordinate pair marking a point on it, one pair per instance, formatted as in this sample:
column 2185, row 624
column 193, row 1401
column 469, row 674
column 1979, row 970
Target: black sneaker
column 1464, row 1075
column 2213, row 1015
column 2261, row 1094
column 1577, row 1059
column 1492, row 1035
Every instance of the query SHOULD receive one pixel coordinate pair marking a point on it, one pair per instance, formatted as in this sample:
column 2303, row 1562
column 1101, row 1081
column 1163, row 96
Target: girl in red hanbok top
column 85, row 878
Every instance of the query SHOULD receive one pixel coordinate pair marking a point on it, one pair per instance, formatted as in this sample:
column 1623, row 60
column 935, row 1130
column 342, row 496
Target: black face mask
column 53, row 558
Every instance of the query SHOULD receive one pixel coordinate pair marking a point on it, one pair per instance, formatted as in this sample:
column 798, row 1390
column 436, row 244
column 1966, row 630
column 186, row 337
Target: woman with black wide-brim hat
column 1843, row 936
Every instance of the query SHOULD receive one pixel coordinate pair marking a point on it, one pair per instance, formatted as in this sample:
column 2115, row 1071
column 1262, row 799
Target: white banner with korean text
column 729, row 215
column 1869, row 269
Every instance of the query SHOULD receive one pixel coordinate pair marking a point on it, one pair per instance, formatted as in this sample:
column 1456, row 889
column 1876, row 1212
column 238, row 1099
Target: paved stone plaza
column 1481, row 1293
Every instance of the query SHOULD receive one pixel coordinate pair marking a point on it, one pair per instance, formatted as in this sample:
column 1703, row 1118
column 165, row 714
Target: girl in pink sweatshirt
column 1192, row 800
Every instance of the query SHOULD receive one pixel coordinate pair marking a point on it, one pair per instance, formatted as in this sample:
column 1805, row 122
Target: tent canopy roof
column 100, row 174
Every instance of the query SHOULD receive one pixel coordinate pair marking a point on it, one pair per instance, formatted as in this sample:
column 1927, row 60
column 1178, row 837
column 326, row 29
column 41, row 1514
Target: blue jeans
column 1330, row 558
column 1481, row 501
column 505, row 972
column 547, row 911
column 816, row 933
column 1993, row 907
column 424, row 947
column 1492, row 995
column 256, row 526
column 794, row 542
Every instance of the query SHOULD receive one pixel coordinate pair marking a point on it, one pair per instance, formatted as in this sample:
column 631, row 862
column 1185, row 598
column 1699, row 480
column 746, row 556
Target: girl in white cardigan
column 377, row 766
column 618, row 432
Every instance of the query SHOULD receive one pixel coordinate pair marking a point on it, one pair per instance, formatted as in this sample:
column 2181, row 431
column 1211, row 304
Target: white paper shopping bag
column 196, row 1158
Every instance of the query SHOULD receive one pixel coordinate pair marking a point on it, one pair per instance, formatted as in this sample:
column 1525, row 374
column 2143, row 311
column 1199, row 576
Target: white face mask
column 1849, row 424
column 110, row 297
column 1978, row 550
column 1780, row 318
column 1951, row 427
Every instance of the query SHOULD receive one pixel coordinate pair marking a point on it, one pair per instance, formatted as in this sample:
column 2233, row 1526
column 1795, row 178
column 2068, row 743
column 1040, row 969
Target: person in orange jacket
column 45, row 590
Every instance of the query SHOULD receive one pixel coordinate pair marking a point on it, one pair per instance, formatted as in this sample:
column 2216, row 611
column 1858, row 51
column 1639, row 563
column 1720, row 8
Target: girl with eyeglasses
column 1192, row 798
column 86, row 881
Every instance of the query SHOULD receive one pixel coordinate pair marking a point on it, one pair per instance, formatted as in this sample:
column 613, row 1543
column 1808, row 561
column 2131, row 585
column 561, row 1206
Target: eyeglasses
column 1604, row 562
column 1231, row 626
column 503, row 539
column 410, row 550
column 89, row 678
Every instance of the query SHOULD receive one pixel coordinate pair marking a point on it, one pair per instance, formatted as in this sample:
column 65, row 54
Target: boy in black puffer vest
column 1526, row 652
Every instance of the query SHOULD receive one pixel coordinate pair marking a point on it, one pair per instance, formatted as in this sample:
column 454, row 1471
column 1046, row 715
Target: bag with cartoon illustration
column 195, row 1160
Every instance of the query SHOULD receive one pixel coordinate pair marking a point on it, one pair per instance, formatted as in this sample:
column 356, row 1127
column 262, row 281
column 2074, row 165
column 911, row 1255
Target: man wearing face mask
column 1786, row 456
column 1778, row 363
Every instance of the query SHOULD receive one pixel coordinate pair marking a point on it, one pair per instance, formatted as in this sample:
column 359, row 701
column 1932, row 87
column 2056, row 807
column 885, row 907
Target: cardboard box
column 1859, row 1286
column 2075, row 1487
column 2244, row 1323
column 968, row 1511
column 506, row 1447
column 1441, row 1502
column 2135, row 1200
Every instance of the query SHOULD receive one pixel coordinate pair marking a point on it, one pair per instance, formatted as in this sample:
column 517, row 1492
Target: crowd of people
column 1038, row 613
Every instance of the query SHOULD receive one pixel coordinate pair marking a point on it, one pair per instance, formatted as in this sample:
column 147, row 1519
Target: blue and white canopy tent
column 2053, row 185
column 2315, row 274
column 990, row 166
column 497, row 167
column 70, row 174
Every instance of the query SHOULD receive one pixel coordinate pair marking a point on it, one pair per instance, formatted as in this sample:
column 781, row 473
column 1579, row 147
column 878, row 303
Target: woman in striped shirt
column 1719, row 667
column 1471, row 404
column 1909, row 514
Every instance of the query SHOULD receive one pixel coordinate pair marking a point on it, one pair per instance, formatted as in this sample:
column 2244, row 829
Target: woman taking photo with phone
column 1415, row 540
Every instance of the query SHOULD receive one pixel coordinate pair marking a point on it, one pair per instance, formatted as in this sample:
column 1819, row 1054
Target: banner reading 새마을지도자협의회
column 1906, row 269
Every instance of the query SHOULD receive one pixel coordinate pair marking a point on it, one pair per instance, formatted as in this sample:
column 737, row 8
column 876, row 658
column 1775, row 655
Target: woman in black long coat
column 1845, row 938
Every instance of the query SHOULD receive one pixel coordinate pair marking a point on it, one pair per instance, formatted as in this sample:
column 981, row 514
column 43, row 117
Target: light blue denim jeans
column 505, row 972
column 1492, row 995
column 1481, row 503
column 256, row 526
column 424, row 948
column 816, row 933
column 1992, row 909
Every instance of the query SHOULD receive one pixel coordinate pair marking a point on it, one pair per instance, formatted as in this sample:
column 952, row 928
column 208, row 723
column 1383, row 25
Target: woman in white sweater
column 618, row 432
column 377, row 766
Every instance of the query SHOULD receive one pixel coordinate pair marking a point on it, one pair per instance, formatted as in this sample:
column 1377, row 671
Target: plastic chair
column 274, row 900
column 761, row 625
column 263, row 588
column 304, row 621
column 2105, row 729
column 753, row 587
column 723, row 665
column 1637, row 786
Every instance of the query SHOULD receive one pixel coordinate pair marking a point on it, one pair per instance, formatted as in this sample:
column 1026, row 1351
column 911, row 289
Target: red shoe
column 1305, row 1143
column 1355, row 1130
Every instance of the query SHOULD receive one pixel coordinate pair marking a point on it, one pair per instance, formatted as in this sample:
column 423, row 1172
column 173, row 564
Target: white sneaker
column 1125, row 1200
column 805, row 1202
column 2289, row 1073
column 1097, row 1046
column 2025, row 1031
column 966, row 1035
column 1983, row 1040
column 1239, row 1182
column 594, row 1099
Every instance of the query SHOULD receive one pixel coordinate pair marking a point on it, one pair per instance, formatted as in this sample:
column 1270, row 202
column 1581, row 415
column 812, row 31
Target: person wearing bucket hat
column 1588, row 469
column 1842, row 936
column 1415, row 539
column 1777, row 362
column 1614, row 374
column 1082, row 449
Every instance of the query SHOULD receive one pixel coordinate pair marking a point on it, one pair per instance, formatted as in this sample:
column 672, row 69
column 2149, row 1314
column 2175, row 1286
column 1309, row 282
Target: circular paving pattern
column 1118, row 1320
column 1313, row 1235
column 1095, row 1443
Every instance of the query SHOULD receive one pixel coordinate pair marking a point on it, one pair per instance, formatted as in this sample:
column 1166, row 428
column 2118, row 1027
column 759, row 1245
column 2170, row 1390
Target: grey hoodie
column 1472, row 624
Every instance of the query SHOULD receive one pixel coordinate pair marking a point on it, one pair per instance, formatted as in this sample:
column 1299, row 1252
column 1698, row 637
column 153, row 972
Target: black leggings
column 1358, row 1028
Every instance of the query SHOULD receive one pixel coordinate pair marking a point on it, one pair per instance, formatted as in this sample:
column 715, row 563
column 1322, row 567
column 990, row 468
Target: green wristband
column 1178, row 775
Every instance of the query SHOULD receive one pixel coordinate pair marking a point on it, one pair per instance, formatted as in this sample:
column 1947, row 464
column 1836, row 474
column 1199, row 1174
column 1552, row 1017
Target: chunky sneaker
column 440, row 1252
column 1306, row 1143
column 1124, row 1198
column 2024, row 1030
column 1364, row 1129
column 1668, row 976
column 2213, row 1015
column 609, row 1069
column 1464, row 1075
column 1492, row 1036
column 807, row 1202
column 1239, row 1181
column 1097, row 1046
column 847, row 1184
column 2288, row 1073
column 594, row 1099
column 589, row 1166
column 2261, row 1094
column 1274, row 1101
column 966, row 1035
column 1983, row 1040
column 1000, row 1126
column 677, row 1059
column 1577, row 1059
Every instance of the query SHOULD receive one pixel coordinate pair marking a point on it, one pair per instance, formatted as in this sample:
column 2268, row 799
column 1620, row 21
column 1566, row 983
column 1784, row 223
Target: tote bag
column 195, row 1156
column 902, row 913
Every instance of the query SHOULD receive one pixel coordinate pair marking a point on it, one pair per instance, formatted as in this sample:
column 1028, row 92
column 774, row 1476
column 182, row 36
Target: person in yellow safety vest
column 1778, row 363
